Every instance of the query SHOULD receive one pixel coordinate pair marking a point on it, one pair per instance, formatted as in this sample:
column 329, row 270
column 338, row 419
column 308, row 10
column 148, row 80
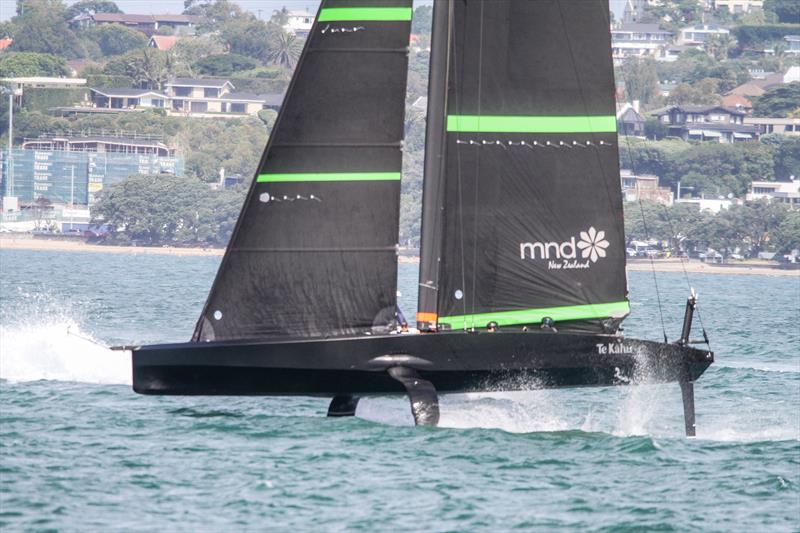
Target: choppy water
column 79, row 450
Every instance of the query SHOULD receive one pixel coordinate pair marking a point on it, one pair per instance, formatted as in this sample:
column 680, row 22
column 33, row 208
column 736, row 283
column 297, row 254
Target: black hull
column 452, row 362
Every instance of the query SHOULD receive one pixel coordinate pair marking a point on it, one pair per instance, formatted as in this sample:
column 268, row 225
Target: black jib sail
column 522, row 217
column 314, row 250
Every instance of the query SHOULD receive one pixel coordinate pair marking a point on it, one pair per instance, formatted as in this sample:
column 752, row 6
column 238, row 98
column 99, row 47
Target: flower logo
column 593, row 244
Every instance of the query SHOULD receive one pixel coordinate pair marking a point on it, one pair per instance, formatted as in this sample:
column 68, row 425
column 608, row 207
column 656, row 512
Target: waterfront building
column 787, row 192
column 72, row 170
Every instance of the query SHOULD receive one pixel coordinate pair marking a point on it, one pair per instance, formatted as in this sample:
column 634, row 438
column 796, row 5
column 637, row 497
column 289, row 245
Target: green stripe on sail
column 551, row 124
column 535, row 316
column 328, row 176
column 341, row 14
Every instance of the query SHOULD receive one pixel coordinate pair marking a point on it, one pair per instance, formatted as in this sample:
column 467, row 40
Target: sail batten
column 532, row 124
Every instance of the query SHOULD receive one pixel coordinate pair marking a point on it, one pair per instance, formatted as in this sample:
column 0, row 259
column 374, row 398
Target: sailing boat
column 522, row 274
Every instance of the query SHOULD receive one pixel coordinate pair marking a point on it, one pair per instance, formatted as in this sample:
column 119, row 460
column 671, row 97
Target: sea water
column 80, row 451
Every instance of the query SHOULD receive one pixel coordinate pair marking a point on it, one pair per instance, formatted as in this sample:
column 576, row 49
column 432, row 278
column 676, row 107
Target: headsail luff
column 531, row 225
column 314, row 250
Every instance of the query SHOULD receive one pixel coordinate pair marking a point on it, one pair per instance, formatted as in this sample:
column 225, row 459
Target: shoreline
column 27, row 242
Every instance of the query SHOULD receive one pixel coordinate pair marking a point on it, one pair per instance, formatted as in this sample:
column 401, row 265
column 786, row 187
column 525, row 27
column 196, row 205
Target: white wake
column 57, row 349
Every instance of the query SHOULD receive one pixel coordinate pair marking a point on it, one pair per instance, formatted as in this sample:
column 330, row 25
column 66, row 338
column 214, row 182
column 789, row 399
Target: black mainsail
column 314, row 250
column 522, row 216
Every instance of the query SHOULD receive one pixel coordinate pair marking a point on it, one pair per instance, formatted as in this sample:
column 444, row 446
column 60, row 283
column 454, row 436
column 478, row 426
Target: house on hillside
column 202, row 96
column 738, row 102
column 793, row 44
column 637, row 40
column 643, row 187
column 163, row 42
column 706, row 123
column 739, row 6
column 299, row 23
column 127, row 98
column 629, row 120
column 782, row 126
column 147, row 24
column 787, row 192
column 696, row 36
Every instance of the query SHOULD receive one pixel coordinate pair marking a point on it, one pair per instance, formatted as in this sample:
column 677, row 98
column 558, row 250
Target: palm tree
column 286, row 51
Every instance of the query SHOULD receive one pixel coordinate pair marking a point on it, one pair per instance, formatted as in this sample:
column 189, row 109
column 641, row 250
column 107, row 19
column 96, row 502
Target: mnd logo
column 591, row 243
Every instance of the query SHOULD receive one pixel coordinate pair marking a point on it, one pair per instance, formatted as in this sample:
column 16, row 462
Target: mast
column 432, row 197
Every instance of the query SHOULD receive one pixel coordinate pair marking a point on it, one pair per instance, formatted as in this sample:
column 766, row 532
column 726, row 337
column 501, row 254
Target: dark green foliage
column 641, row 81
column 712, row 168
column 787, row 10
column 167, row 209
column 251, row 37
column 786, row 155
column 779, row 101
column 91, row 6
column 114, row 39
column 147, row 67
column 224, row 64
column 234, row 145
column 655, row 129
column 748, row 228
column 45, row 99
column 32, row 64
column 40, row 26
column 758, row 36
column 286, row 50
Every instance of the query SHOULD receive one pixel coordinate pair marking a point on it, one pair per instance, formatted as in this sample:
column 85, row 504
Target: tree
column 719, row 46
column 114, row 39
column 705, row 92
column 788, row 11
column 655, row 129
column 641, row 80
column 224, row 64
column 280, row 17
column 147, row 67
column 32, row 64
column 287, row 50
column 91, row 6
column 786, row 237
column 249, row 36
column 40, row 26
column 168, row 209
column 214, row 13
column 779, row 101
column 786, row 155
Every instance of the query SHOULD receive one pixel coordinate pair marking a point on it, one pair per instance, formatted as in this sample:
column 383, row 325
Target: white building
column 787, row 192
column 714, row 205
column 299, row 23
column 792, row 44
column 739, row 6
column 638, row 40
column 698, row 35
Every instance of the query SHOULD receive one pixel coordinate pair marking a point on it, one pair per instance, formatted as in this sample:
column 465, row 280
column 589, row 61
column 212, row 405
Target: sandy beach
column 28, row 242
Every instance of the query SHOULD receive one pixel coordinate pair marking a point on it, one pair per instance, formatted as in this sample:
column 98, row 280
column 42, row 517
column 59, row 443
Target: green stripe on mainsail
column 535, row 316
column 328, row 176
column 341, row 14
column 551, row 124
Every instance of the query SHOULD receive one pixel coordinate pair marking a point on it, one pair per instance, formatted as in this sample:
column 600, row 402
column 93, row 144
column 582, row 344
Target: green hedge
column 749, row 36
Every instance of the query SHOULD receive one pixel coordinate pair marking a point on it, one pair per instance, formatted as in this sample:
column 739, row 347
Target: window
column 210, row 92
column 199, row 107
column 238, row 108
column 182, row 91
